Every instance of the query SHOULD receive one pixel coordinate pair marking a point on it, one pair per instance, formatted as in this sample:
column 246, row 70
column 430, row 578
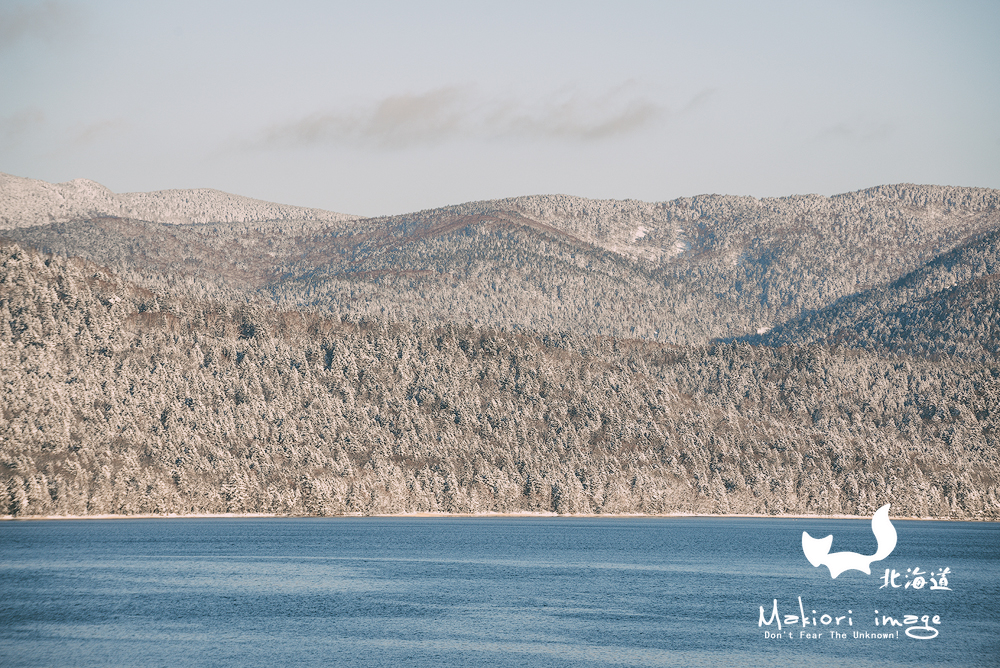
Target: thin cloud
column 858, row 131
column 456, row 112
column 47, row 21
column 99, row 130
column 578, row 121
column 13, row 128
column 394, row 122
column 700, row 100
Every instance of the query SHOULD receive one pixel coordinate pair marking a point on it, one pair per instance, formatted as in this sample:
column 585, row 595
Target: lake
column 491, row 591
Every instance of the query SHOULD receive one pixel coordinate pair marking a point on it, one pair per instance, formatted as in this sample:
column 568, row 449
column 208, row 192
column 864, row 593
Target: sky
column 376, row 108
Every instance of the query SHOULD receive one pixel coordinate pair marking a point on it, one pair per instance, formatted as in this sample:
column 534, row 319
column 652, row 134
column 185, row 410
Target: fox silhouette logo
column 817, row 550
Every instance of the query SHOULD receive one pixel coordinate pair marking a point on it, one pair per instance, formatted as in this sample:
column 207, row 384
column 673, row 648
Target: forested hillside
column 120, row 399
column 29, row 202
column 194, row 351
column 948, row 305
column 684, row 272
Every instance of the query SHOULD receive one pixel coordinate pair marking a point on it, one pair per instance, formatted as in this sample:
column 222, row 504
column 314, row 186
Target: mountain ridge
column 29, row 202
column 685, row 271
column 852, row 320
column 535, row 354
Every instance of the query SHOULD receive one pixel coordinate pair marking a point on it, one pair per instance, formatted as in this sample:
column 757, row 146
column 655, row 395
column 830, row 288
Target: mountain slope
column 525, row 354
column 29, row 202
column 948, row 304
column 120, row 400
column 963, row 320
column 685, row 272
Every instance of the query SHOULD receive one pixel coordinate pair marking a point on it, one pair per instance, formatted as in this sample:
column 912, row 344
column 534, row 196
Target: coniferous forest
column 196, row 352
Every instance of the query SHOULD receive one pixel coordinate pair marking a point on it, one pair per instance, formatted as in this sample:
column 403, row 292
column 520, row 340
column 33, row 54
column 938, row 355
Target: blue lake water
column 486, row 592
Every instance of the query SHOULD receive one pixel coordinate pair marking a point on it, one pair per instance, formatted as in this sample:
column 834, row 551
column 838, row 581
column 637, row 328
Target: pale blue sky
column 388, row 107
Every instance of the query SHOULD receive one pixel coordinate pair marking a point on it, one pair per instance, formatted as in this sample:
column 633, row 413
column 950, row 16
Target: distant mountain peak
column 29, row 202
column 684, row 271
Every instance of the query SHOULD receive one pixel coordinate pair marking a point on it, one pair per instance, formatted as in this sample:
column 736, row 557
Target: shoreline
column 486, row 515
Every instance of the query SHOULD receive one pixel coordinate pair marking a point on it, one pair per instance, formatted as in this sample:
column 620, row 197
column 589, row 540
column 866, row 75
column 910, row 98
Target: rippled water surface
column 483, row 591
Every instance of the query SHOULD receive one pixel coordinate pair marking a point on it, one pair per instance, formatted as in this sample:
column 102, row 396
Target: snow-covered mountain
column 684, row 271
column 542, row 353
column 30, row 202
